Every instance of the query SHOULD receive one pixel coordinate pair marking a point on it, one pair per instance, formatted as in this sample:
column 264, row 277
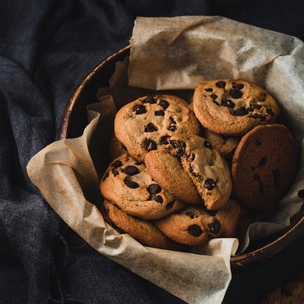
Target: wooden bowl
column 74, row 120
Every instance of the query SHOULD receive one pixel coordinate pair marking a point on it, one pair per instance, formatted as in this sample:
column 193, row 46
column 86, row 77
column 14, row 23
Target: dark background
column 46, row 48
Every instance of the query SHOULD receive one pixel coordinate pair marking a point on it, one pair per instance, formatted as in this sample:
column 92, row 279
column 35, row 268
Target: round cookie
column 141, row 230
column 208, row 170
column 144, row 124
column 224, row 144
column 233, row 107
column 194, row 225
column 128, row 184
column 264, row 166
column 168, row 172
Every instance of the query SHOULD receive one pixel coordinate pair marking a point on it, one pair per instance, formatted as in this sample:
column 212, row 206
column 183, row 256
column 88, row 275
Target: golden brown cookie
column 195, row 225
column 128, row 184
column 264, row 166
column 144, row 124
column 141, row 230
column 233, row 106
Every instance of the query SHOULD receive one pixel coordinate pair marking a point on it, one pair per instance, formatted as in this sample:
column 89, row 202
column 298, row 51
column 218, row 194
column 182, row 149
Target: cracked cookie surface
column 233, row 107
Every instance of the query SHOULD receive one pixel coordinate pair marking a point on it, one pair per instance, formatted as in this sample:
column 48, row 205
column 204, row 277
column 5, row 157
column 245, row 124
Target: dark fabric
column 46, row 48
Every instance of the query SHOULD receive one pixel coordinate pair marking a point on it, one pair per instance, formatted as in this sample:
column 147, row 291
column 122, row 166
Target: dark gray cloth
column 46, row 48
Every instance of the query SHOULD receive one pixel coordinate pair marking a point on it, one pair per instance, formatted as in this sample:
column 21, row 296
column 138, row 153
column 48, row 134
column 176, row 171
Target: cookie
column 207, row 169
column 168, row 172
column 144, row 124
column 194, row 225
column 224, row 144
column 128, row 184
column 141, row 230
column 233, row 107
column 264, row 166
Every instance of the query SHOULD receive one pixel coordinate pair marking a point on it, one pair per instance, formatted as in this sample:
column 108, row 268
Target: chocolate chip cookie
column 208, row 170
column 144, row 124
column 141, row 230
column 128, row 184
column 195, row 225
column 264, row 166
column 233, row 107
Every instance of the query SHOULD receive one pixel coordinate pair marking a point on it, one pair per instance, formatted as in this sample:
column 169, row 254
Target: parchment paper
column 173, row 53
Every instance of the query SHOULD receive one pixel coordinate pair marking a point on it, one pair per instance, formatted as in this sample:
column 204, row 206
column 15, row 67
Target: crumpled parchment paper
column 174, row 53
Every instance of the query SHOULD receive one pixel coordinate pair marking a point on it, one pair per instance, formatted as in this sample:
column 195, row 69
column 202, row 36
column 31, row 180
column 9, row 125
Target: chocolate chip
column 158, row 199
column 262, row 161
column 195, row 230
column 253, row 106
column 115, row 172
column 210, row 184
column 172, row 127
column 116, row 164
column 179, row 146
column 207, row 145
column 149, row 99
column 151, row 128
column 191, row 214
column 258, row 143
column 164, row 140
column 259, row 116
column 257, row 178
column 228, row 103
column 235, row 94
column 208, row 89
column 139, row 109
column 131, row 170
column 270, row 112
column 301, row 193
column 214, row 226
column 131, row 184
column 159, row 113
column 240, row 112
column 221, row 84
column 154, row 188
column 170, row 205
column 276, row 174
column 150, row 145
column 237, row 86
column 164, row 104
column 213, row 96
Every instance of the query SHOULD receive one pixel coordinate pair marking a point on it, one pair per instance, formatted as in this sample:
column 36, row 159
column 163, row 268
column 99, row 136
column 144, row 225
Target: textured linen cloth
column 46, row 48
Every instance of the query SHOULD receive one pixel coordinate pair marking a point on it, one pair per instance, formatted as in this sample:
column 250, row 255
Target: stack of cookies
column 182, row 174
